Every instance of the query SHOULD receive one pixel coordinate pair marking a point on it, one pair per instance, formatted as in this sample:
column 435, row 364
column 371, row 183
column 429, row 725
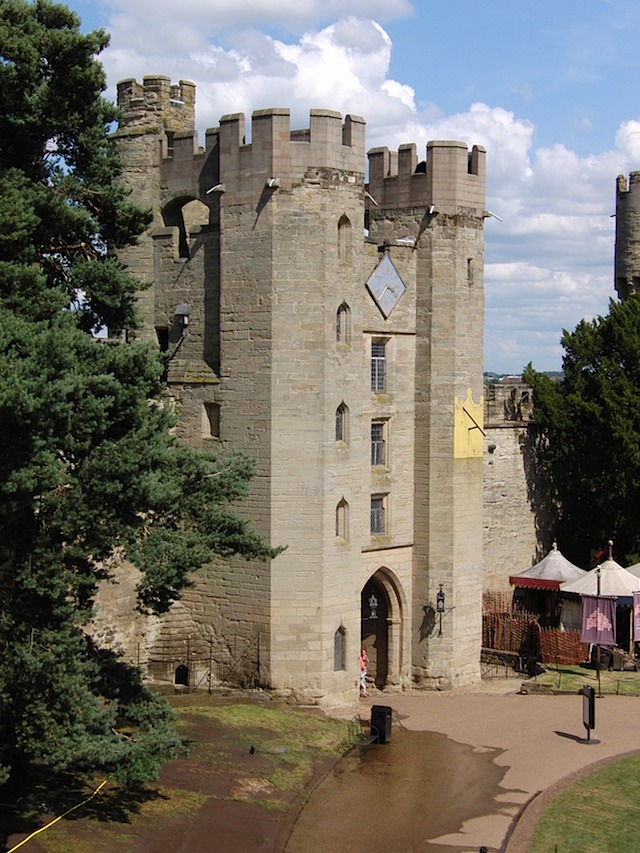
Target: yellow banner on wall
column 468, row 427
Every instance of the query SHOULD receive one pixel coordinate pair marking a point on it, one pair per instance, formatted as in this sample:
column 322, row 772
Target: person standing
column 363, row 672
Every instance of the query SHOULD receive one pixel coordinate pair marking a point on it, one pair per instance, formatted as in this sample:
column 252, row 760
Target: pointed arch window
column 342, row 520
column 343, row 324
column 344, row 238
column 339, row 656
column 342, row 423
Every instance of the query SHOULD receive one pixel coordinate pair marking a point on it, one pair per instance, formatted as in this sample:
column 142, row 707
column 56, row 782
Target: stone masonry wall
column 511, row 539
column 441, row 207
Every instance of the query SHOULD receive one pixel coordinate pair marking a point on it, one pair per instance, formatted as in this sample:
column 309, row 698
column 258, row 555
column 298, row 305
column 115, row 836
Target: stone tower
column 627, row 252
column 332, row 330
column 440, row 203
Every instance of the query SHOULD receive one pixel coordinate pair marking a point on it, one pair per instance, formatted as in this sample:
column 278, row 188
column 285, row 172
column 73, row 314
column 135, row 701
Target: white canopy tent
column 538, row 590
column 635, row 569
column 550, row 573
column 607, row 579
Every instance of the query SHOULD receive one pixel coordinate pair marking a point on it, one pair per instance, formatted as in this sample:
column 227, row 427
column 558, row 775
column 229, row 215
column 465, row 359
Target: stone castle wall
column 511, row 537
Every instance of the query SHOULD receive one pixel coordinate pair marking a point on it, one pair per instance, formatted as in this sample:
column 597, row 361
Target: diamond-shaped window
column 385, row 286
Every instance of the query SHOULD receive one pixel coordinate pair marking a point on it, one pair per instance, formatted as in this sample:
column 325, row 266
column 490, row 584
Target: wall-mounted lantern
column 181, row 314
column 440, row 608
column 373, row 606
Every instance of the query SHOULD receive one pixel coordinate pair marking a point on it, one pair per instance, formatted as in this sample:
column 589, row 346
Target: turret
column 157, row 102
column 627, row 251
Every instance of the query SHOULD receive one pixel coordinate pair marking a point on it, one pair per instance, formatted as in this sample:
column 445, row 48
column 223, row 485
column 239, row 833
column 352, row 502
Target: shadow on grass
column 40, row 794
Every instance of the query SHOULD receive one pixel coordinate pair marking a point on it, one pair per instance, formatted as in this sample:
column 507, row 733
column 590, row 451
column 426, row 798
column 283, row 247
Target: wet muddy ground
column 398, row 797
column 392, row 798
column 382, row 798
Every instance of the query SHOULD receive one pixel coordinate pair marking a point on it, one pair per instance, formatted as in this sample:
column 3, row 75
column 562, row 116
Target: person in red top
column 363, row 672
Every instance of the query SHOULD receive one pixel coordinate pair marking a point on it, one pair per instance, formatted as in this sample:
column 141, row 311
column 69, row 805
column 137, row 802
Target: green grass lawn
column 572, row 678
column 597, row 815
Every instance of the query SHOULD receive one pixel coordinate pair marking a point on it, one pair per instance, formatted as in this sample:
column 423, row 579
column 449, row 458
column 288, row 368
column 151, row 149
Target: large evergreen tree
column 88, row 467
column 588, row 449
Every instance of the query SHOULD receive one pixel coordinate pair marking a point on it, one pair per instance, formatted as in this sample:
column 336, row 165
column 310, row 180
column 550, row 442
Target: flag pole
column 598, row 631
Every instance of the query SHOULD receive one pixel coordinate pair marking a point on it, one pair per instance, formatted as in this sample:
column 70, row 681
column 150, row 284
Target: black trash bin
column 381, row 722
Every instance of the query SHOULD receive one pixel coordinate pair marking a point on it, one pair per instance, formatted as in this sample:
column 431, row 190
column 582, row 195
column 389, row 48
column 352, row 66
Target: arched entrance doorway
column 181, row 676
column 374, row 635
column 383, row 607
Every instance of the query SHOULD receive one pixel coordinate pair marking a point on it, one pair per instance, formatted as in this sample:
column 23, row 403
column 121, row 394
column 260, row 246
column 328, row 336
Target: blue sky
column 550, row 89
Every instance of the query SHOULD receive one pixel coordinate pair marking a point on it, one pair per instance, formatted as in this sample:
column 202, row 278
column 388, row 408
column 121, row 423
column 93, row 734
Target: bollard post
column 588, row 709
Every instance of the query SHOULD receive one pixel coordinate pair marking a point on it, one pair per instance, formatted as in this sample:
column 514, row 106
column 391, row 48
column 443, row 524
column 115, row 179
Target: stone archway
column 381, row 628
column 181, row 676
column 188, row 215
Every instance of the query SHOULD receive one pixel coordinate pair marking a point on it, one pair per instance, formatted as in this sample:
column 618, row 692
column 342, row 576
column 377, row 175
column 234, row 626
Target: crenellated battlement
column 276, row 156
column 624, row 186
column 280, row 157
column 157, row 103
column 450, row 177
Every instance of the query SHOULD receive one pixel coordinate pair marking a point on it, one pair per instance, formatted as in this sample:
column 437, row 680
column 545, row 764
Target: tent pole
column 598, row 632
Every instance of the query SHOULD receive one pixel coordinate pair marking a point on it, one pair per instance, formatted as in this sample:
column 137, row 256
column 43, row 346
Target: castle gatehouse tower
column 332, row 330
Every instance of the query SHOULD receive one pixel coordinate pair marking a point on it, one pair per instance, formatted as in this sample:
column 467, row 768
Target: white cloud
column 402, row 93
column 628, row 139
column 343, row 66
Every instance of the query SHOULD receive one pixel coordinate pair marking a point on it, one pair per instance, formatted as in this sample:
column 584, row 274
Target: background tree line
column 588, row 436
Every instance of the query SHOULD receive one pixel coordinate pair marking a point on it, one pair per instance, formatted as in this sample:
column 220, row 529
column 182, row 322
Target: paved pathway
column 537, row 739
column 541, row 738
